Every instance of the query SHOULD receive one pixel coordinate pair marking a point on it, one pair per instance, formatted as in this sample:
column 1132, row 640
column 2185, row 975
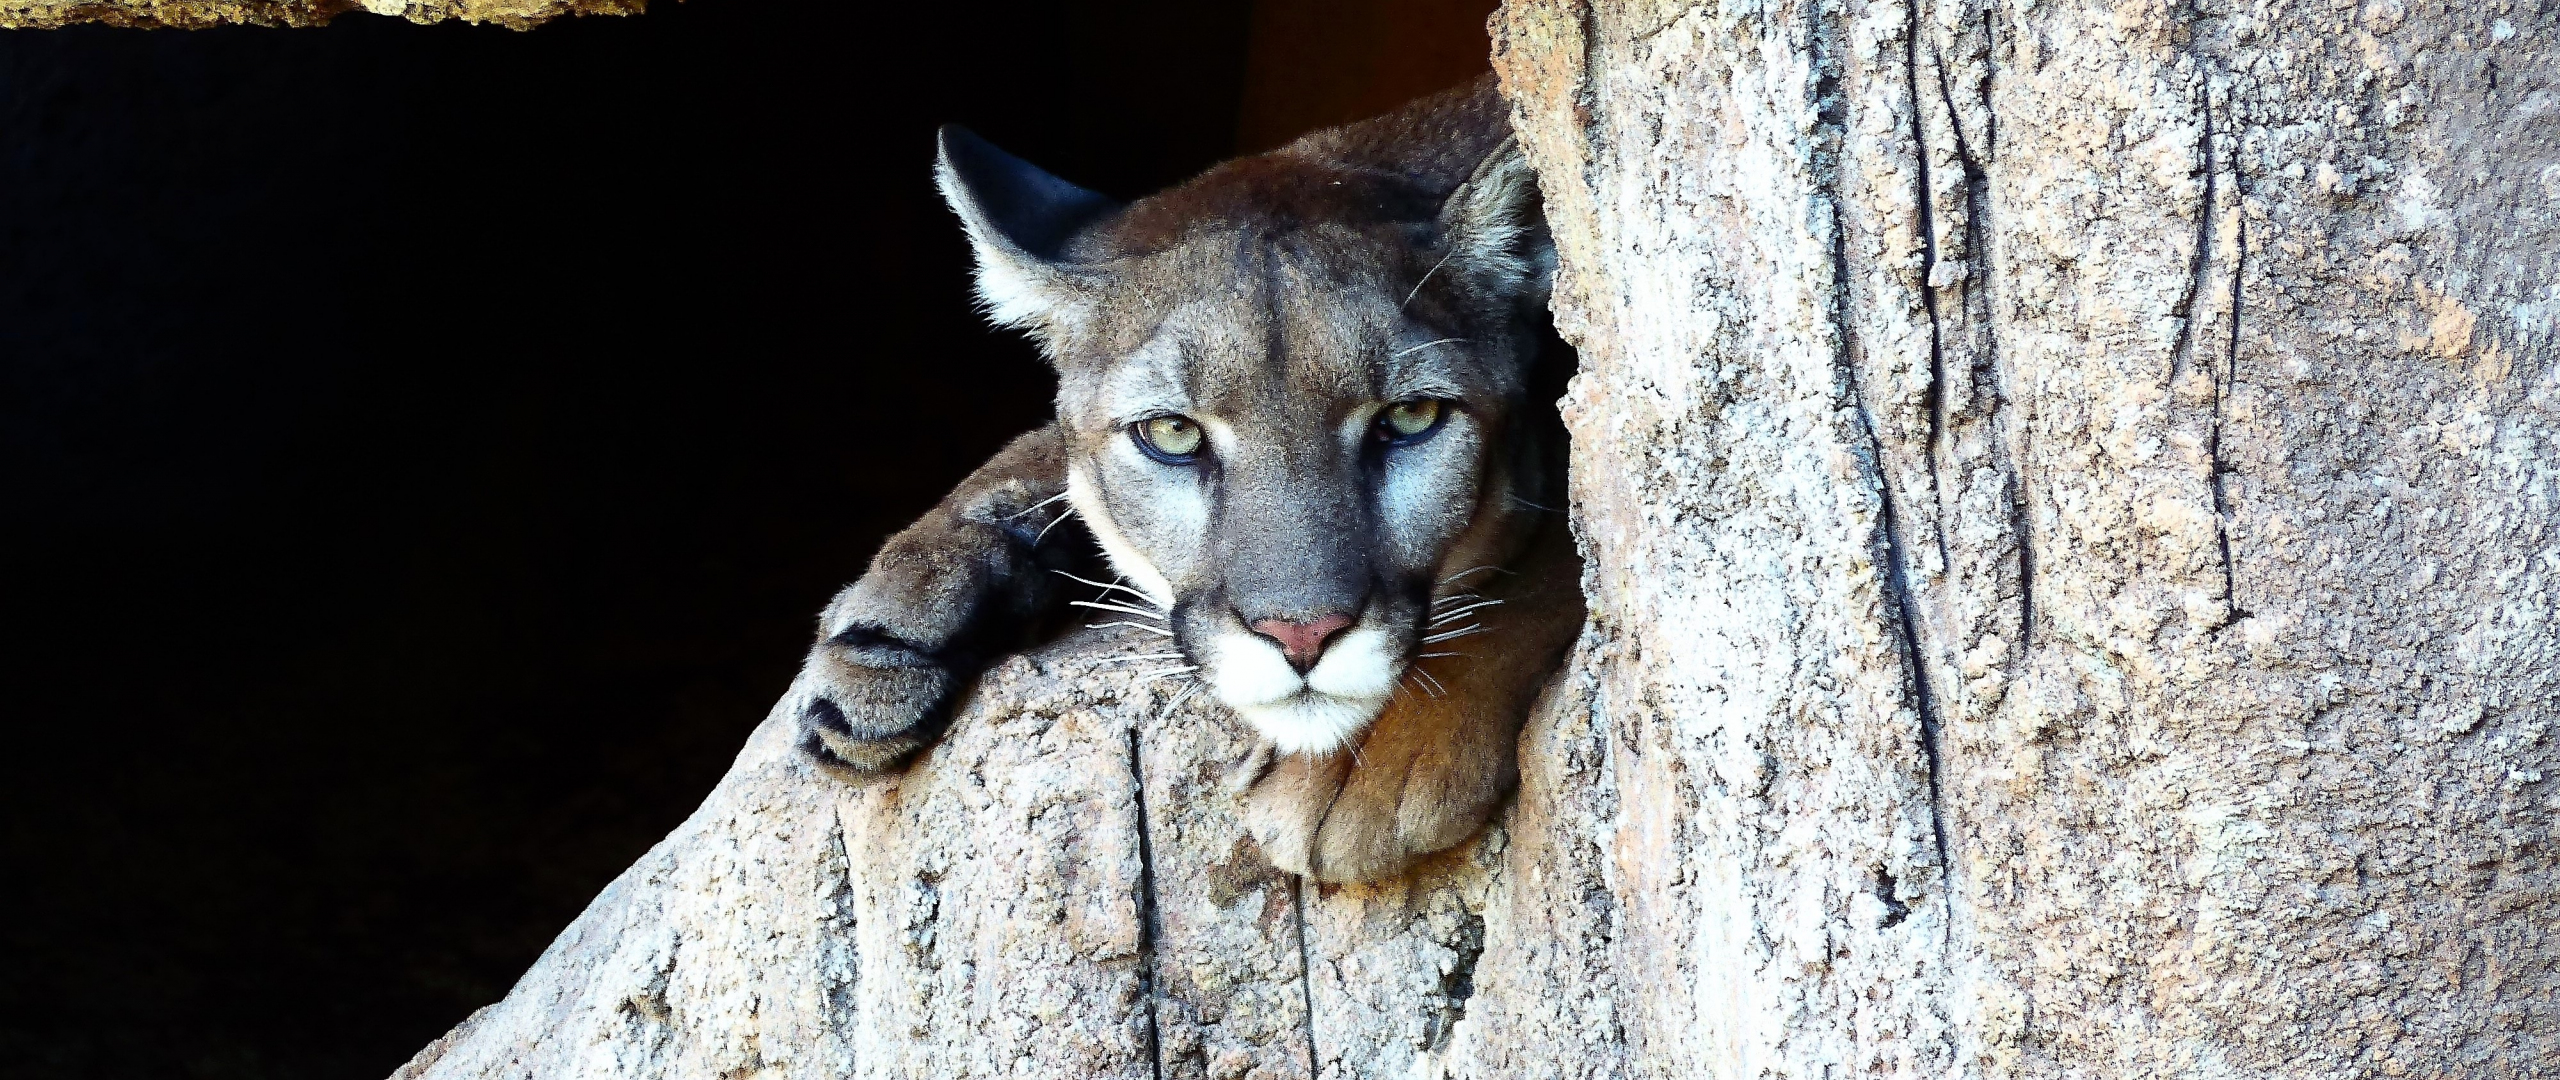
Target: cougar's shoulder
column 1399, row 168
column 1435, row 142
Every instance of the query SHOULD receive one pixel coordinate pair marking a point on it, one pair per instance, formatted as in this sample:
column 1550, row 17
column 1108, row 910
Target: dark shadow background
column 423, row 451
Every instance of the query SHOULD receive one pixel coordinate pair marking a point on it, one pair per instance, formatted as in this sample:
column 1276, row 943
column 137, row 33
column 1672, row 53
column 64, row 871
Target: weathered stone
column 197, row 14
column 2097, row 618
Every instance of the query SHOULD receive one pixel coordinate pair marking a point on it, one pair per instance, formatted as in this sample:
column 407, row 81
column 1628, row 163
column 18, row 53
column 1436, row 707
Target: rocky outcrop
column 2068, row 496
column 196, row 14
column 1062, row 887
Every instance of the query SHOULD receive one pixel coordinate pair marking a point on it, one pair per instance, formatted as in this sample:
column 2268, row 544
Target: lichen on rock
column 199, row 14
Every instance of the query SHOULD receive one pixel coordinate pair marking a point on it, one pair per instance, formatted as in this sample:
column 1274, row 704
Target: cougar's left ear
column 1019, row 220
column 1497, row 229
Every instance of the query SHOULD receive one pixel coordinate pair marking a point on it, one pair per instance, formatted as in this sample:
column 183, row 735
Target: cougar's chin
column 1311, row 714
column 1312, row 723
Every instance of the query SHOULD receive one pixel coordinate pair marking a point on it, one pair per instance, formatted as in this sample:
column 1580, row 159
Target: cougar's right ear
column 1497, row 230
column 1019, row 219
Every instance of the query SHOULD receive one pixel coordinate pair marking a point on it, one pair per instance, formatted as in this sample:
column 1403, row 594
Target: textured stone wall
column 2068, row 493
column 2098, row 619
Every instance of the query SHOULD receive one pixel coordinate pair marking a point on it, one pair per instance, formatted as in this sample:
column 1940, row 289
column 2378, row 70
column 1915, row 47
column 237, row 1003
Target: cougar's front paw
column 1407, row 789
column 872, row 703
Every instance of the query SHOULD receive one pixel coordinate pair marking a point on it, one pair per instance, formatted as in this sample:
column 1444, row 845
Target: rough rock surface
column 196, row 14
column 1060, row 888
column 2099, row 618
column 2068, row 499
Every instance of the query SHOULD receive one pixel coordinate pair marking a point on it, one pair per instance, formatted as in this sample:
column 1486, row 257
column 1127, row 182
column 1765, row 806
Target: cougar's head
column 1294, row 389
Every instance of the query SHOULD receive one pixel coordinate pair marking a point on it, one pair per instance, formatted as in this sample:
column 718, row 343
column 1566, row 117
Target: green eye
column 1408, row 421
column 1174, row 440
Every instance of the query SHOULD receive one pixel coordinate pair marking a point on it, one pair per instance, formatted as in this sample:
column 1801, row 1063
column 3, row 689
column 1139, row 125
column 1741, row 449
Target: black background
column 423, row 451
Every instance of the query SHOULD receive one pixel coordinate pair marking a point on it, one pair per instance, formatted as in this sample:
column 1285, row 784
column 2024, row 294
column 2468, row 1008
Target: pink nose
column 1302, row 642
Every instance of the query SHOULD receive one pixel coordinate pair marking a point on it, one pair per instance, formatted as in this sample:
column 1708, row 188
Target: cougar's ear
column 1019, row 220
column 1497, row 230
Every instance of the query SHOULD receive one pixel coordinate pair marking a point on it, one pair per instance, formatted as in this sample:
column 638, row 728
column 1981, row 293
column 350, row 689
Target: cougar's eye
column 1409, row 421
column 1174, row 440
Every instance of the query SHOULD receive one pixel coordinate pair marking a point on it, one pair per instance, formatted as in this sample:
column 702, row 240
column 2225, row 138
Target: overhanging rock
column 198, row 14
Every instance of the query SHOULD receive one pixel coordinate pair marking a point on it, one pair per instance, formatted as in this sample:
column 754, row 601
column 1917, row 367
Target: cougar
column 1306, row 413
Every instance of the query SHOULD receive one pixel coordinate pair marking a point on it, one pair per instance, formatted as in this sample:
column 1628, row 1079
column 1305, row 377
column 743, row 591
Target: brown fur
column 1395, row 169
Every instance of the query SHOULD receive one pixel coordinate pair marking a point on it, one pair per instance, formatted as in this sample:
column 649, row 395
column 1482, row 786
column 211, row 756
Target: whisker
column 1426, row 277
column 1438, row 691
column 1154, row 675
column 1178, row 699
column 1471, row 628
column 1149, row 600
column 1475, row 570
column 1454, row 598
column 1156, row 630
column 1429, row 655
column 1105, row 605
column 1140, row 656
column 1428, row 344
column 1027, row 511
column 1531, row 505
column 1044, row 530
column 1445, row 616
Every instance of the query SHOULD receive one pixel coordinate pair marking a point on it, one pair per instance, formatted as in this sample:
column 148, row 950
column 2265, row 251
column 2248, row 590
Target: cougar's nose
column 1302, row 642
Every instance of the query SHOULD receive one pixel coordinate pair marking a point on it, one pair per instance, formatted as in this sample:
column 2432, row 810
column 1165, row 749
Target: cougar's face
column 1292, row 462
column 1288, row 386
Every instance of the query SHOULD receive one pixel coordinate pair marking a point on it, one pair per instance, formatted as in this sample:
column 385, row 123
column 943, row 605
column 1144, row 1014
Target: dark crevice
column 1975, row 298
column 2019, row 524
column 844, row 994
column 1934, row 399
column 2198, row 265
column 2223, row 386
column 1458, row 984
column 1973, row 173
column 2223, row 380
column 1897, row 559
column 1978, row 210
column 1990, row 71
column 1146, row 909
column 1906, row 607
column 1895, row 910
column 1306, row 970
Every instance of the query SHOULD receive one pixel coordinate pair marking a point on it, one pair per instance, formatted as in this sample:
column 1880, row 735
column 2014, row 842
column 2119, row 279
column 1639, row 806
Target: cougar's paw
column 872, row 704
column 1370, row 814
